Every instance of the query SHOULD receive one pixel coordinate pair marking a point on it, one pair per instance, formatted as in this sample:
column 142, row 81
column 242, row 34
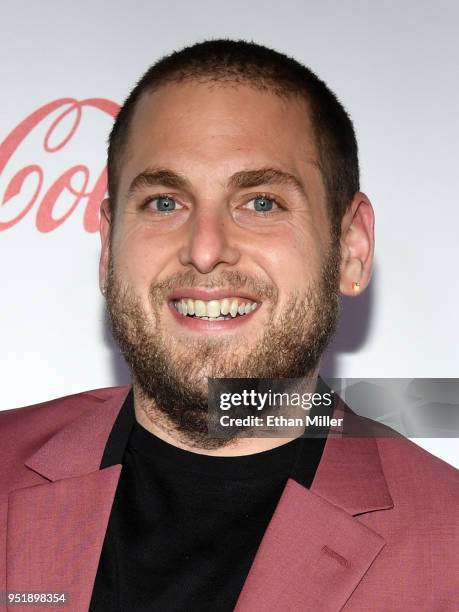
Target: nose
column 209, row 241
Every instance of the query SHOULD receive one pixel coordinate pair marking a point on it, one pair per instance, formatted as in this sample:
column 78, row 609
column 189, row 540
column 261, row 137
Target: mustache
column 228, row 279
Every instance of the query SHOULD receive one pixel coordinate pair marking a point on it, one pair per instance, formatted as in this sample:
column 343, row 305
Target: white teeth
column 213, row 309
column 233, row 308
column 199, row 308
column 225, row 306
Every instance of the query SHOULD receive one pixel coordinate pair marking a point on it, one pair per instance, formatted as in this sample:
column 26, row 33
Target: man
column 234, row 221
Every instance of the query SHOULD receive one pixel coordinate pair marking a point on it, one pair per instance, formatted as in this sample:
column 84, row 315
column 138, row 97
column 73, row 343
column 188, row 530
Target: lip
column 208, row 294
column 200, row 325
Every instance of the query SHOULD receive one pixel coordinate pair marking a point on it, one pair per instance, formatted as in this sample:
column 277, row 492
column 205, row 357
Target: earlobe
column 104, row 232
column 352, row 280
column 105, row 220
column 357, row 246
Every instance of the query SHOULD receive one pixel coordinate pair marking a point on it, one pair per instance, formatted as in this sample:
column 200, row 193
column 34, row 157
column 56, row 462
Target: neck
column 155, row 421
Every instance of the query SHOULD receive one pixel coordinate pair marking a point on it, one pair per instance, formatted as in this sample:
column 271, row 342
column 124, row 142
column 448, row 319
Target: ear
column 357, row 245
column 104, row 231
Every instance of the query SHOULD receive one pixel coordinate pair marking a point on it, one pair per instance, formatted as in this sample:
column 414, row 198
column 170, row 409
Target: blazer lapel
column 315, row 552
column 56, row 529
column 55, row 535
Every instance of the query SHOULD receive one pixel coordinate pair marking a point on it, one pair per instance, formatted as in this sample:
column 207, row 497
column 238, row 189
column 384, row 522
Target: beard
column 171, row 377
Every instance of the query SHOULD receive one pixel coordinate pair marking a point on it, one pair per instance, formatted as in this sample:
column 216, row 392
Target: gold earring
column 356, row 286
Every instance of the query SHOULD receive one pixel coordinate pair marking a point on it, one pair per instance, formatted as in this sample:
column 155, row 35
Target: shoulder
column 417, row 478
column 409, row 469
column 424, row 488
column 57, row 412
column 23, row 430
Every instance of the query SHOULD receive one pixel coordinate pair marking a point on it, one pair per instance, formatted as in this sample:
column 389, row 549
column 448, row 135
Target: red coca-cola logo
column 44, row 202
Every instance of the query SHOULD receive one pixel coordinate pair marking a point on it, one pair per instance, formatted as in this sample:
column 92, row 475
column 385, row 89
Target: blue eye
column 164, row 203
column 263, row 204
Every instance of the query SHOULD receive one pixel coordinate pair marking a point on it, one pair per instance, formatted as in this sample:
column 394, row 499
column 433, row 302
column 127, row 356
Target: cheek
column 292, row 259
column 141, row 256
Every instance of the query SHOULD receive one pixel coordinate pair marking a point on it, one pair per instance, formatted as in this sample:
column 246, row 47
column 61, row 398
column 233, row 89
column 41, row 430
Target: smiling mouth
column 215, row 310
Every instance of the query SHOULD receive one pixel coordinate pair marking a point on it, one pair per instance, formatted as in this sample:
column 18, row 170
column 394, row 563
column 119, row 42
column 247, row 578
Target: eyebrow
column 244, row 179
column 152, row 177
column 265, row 176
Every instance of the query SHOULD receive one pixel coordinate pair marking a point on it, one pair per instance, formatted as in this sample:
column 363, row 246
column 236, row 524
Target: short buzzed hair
column 248, row 63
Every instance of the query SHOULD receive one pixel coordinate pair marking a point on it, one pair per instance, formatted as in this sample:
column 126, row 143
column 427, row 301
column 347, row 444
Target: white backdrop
column 394, row 66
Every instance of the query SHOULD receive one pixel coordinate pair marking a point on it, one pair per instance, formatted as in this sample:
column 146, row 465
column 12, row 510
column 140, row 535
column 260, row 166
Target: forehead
column 214, row 129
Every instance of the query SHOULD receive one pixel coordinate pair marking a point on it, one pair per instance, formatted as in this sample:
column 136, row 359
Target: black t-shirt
column 185, row 527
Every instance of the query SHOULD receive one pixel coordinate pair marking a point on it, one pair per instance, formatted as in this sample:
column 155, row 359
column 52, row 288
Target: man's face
column 221, row 205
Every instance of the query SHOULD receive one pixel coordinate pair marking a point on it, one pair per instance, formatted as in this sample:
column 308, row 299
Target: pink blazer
column 377, row 532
